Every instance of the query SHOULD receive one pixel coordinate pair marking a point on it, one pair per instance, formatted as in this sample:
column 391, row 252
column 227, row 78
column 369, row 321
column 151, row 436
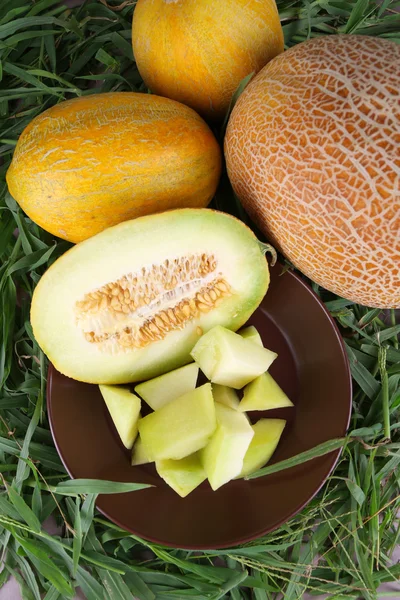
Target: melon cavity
column 228, row 359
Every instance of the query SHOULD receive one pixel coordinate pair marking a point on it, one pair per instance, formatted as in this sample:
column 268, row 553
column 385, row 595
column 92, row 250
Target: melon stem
column 268, row 248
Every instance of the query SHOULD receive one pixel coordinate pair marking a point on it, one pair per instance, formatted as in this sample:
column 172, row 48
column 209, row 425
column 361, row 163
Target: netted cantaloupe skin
column 198, row 51
column 312, row 150
column 92, row 162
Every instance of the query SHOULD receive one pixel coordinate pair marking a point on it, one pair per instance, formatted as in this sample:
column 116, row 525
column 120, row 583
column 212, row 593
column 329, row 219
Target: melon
column 184, row 475
column 181, row 427
column 140, row 456
column 250, row 333
column 267, row 433
column 225, row 395
column 228, row 359
column 312, row 150
column 124, row 409
column 159, row 391
column 223, row 456
column 198, row 51
column 263, row 393
column 92, row 162
column 130, row 303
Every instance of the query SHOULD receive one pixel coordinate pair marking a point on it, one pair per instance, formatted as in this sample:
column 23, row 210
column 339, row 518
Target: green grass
column 47, row 53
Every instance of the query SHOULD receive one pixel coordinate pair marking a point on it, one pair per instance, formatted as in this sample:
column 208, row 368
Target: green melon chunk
column 183, row 475
column 139, row 453
column 250, row 333
column 181, row 427
column 222, row 458
column 267, row 433
column 159, row 391
column 225, row 395
column 263, row 394
column 124, row 408
column 228, row 359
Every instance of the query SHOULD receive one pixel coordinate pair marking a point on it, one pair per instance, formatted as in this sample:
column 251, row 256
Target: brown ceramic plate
column 312, row 369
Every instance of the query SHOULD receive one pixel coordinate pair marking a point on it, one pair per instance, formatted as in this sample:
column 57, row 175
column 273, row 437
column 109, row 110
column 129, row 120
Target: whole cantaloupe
column 198, row 51
column 313, row 152
column 95, row 161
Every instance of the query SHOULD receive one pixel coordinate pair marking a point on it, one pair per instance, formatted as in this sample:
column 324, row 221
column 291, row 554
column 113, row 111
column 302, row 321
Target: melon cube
column 263, row 394
column 228, row 359
column 181, row 427
column 267, row 433
column 139, row 453
column 223, row 456
column 225, row 395
column 124, row 408
column 183, row 475
column 159, row 391
column 250, row 333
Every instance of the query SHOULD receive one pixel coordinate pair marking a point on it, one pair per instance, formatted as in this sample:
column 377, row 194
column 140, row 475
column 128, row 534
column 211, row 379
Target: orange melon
column 312, row 150
column 198, row 51
column 98, row 160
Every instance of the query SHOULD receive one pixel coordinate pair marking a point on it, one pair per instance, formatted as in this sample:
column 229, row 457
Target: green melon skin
column 263, row 394
column 159, row 391
column 267, row 433
column 181, row 427
column 128, row 248
column 225, row 395
column 223, row 457
column 139, row 454
column 184, row 475
column 250, row 333
column 228, row 359
column 124, row 408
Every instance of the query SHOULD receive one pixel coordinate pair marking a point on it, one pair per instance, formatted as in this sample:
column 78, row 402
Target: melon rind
column 267, row 433
column 126, row 248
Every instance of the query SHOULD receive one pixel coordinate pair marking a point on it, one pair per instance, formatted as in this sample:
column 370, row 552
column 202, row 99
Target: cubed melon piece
column 139, row 453
column 228, row 359
column 183, row 475
column 225, row 395
column 159, row 391
column 263, row 394
column 124, row 408
column 267, row 433
column 223, row 456
column 250, row 333
column 181, row 427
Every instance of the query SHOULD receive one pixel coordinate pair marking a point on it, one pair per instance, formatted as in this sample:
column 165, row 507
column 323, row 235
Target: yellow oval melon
column 198, row 51
column 98, row 160
column 312, row 150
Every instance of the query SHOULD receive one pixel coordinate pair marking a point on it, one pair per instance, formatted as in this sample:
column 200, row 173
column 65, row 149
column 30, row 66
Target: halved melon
column 184, row 475
column 263, row 394
column 228, row 359
column 223, row 456
column 140, row 456
column 124, row 408
column 225, row 395
column 131, row 302
column 162, row 389
column 267, row 433
column 181, row 427
column 250, row 333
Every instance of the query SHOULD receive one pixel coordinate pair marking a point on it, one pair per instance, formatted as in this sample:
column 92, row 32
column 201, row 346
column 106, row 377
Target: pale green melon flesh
column 159, row 391
column 124, row 408
column 63, row 320
column 225, row 395
column 267, row 433
column 139, row 454
column 250, row 333
column 228, row 359
column 181, row 427
column 263, row 394
column 222, row 458
column 183, row 475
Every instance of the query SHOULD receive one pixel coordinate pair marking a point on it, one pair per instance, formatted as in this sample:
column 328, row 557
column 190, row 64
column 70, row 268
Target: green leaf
column 23, row 509
column 77, row 543
column 97, row 486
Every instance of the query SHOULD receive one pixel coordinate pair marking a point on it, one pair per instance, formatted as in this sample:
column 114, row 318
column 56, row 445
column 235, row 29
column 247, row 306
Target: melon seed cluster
column 140, row 308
